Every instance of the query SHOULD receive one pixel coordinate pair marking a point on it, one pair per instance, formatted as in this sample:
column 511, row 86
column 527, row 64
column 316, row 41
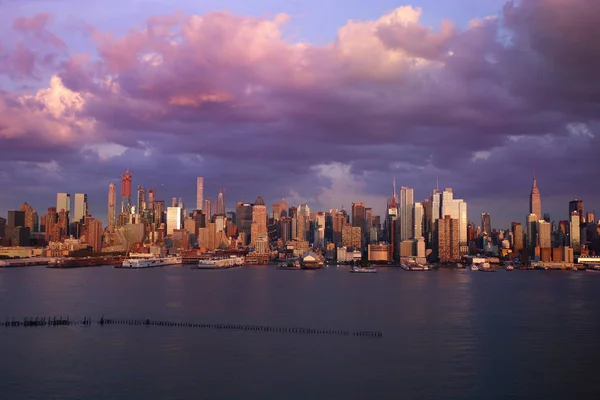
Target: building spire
column 394, row 187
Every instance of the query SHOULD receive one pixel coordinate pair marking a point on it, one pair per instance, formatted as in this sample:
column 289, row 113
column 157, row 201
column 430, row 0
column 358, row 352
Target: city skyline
column 285, row 110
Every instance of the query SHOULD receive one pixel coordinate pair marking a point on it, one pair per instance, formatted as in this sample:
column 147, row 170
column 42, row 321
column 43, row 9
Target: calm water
column 447, row 334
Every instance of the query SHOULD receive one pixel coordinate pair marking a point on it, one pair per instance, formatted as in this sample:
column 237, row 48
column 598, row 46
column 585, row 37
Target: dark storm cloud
column 229, row 98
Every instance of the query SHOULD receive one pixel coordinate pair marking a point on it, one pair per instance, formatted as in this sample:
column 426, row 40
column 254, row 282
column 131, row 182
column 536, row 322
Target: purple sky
column 318, row 102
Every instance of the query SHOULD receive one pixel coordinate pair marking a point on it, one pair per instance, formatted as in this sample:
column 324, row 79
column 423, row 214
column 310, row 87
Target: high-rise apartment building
column 199, row 193
column 173, row 219
column 94, row 233
column 126, row 192
column 258, row 228
column 486, row 223
column 81, row 207
column 112, row 207
column 448, row 244
column 535, row 200
column 417, row 218
column 407, row 201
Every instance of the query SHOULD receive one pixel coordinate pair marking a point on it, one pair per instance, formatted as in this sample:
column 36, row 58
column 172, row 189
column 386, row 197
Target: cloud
column 231, row 98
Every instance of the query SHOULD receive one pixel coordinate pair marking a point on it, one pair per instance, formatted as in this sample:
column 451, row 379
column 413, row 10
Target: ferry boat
column 474, row 267
column 219, row 263
column 363, row 270
column 418, row 267
column 145, row 260
column 292, row 265
column 510, row 268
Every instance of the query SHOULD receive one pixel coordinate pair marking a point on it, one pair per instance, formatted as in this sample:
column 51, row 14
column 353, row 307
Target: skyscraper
column 577, row 206
column 417, row 220
column 406, row 213
column 200, row 193
column 259, row 220
column 517, row 231
column 126, row 192
column 544, row 234
column 31, row 217
column 532, row 235
column 486, row 223
column 221, row 203
column 112, row 206
column 173, row 219
column 358, row 215
column 81, row 207
column 448, row 246
column 141, row 199
column 575, row 234
column 535, row 200
column 63, row 202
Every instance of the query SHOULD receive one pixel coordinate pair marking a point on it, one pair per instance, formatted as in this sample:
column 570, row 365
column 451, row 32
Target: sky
column 311, row 101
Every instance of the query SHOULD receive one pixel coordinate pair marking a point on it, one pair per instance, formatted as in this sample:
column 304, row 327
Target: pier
column 87, row 321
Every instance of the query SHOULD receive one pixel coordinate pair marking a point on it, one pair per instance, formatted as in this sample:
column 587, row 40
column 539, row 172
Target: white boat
column 475, row 267
column 145, row 260
column 405, row 266
column 217, row 263
column 510, row 268
column 363, row 270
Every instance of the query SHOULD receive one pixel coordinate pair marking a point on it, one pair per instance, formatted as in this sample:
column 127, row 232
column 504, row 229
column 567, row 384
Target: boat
column 363, row 270
column 405, row 267
column 291, row 265
column 220, row 263
column 418, row 267
column 145, row 260
column 510, row 268
column 474, row 267
column 81, row 262
column 593, row 270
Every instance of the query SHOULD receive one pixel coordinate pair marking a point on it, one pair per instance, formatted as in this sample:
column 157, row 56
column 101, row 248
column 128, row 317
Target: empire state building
column 535, row 200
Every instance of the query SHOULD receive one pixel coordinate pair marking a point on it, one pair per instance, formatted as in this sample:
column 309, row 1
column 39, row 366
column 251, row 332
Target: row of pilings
column 66, row 321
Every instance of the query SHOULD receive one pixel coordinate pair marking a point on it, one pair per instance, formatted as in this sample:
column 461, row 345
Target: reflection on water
column 447, row 334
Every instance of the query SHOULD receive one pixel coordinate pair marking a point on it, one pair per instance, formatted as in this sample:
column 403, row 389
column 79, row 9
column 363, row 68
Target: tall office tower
column 456, row 209
column 319, row 229
column 151, row 198
column 276, row 211
column 544, row 234
column 63, row 202
column 407, row 201
column 575, row 234
column 577, row 206
column 173, row 219
column 393, row 201
column 284, row 208
column 358, row 215
column 590, row 217
column 30, row 217
column 159, row 212
column 126, row 193
column 417, row 218
column 258, row 228
column 301, row 226
column 448, row 245
column 112, row 207
column 81, row 207
column 532, row 234
column 535, row 200
column 174, row 202
column 243, row 213
column 427, row 222
column 199, row 193
column 368, row 219
column 141, row 199
column 293, row 212
column 486, row 223
column 2, row 227
column 517, row 232
column 285, row 228
column 50, row 220
column 63, row 224
column 338, row 220
column 16, row 219
column 220, row 203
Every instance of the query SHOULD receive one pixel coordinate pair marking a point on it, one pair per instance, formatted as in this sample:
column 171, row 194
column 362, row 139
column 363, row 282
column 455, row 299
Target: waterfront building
column 535, row 200
column 93, row 233
column 448, row 243
column 378, row 252
column 199, row 193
